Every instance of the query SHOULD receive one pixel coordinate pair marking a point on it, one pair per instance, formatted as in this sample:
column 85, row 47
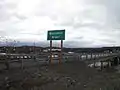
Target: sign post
column 56, row 35
column 50, row 51
column 61, row 51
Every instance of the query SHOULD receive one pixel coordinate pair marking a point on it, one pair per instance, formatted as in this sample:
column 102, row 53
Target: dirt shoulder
column 67, row 76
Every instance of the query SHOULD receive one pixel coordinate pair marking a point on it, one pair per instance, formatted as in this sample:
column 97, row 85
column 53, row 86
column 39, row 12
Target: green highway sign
column 56, row 35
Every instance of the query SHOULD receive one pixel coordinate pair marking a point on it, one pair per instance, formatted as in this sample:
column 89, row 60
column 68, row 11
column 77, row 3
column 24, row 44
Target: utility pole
column 34, row 47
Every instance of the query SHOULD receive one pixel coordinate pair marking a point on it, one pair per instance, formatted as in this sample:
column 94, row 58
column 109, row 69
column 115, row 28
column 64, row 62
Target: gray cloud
column 108, row 41
column 87, row 22
column 3, row 34
column 78, row 44
column 20, row 17
column 79, row 37
column 6, row 10
column 110, row 27
column 113, row 7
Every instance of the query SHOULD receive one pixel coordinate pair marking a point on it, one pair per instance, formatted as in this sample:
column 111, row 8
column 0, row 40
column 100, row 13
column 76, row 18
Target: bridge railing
column 92, row 56
column 44, row 58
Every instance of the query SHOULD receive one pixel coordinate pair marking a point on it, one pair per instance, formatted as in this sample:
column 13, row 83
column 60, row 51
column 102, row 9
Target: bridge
column 11, row 58
column 110, row 58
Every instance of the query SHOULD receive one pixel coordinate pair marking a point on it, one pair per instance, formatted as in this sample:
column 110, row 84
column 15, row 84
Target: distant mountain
column 43, row 44
column 46, row 44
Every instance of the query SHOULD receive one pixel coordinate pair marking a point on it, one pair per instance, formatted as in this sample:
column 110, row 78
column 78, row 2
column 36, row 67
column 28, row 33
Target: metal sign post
column 50, row 51
column 60, row 59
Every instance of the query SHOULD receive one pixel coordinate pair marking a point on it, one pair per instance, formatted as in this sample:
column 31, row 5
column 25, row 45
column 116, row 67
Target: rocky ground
column 67, row 76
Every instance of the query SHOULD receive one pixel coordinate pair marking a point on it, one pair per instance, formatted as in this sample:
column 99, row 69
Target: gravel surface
column 67, row 76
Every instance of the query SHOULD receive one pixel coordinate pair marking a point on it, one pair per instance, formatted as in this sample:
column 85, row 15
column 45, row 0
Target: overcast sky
column 88, row 23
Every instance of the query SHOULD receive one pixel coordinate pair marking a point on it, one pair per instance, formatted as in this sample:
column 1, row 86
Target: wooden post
column 50, row 52
column 91, row 56
column 7, row 64
column 86, row 56
column 118, row 60
column 22, row 64
column 81, row 56
column 60, row 59
column 109, row 63
column 101, row 65
column 95, row 56
column 98, row 55
column 78, row 57
column 94, row 64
